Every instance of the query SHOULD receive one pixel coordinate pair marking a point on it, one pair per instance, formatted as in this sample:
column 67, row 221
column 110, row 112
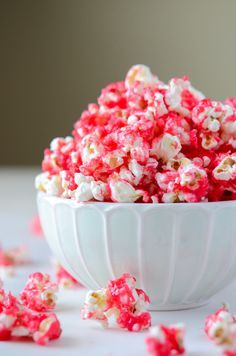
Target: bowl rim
column 55, row 199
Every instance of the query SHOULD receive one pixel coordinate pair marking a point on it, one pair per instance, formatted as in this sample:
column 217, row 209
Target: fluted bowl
column 181, row 254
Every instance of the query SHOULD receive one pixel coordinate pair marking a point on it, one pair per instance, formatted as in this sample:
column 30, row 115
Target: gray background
column 56, row 55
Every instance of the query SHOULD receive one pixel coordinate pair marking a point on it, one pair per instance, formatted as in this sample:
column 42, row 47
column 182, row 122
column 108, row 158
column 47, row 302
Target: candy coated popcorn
column 123, row 147
column 14, row 256
column 10, row 258
column 17, row 321
column 63, row 278
column 166, row 341
column 39, row 293
column 220, row 327
column 181, row 97
column 120, row 301
column 35, row 226
column 231, row 102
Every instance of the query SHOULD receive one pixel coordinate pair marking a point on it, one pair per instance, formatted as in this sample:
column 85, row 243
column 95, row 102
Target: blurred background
column 56, row 55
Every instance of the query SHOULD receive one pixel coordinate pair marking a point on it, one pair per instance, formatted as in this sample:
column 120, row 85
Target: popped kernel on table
column 82, row 337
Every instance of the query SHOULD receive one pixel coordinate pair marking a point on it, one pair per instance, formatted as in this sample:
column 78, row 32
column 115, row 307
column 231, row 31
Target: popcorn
column 187, row 183
column 14, row 256
column 231, row 102
column 50, row 185
column 124, row 147
column 220, row 327
column 166, row 341
column 166, row 147
column 16, row 321
column 226, row 169
column 46, row 327
column 181, row 97
column 139, row 73
column 123, row 192
column 39, row 293
column 120, row 301
column 63, row 278
column 11, row 258
column 35, row 226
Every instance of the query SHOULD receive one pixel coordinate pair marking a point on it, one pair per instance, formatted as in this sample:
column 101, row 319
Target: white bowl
column 181, row 254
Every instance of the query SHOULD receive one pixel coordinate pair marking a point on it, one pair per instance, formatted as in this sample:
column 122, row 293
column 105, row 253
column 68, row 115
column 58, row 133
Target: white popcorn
column 175, row 197
column 226, row 169
column 114, row 159
column 167, row 147
column 141, row 73
column 174, row 95
column 190, row 175
column 209, row 141
column 81, row 178
column 99, row 190
column 90, row 149
column 96, row 300
column 136, row 169
column 123, row 192
column 50, row 185
column 83, row 192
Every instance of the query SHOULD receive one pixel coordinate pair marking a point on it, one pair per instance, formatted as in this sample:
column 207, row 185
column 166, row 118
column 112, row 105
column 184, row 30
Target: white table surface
column 17, row 206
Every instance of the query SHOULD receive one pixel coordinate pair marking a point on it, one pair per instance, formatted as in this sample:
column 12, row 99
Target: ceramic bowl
column 181, row 254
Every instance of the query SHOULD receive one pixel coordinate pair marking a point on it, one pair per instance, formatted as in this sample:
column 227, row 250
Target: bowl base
column 176, row 307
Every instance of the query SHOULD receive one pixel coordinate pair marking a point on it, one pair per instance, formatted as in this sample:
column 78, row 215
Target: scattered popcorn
column 166, row 341
column 35, row 226
column 14, row 256
column 123, row 147
column 220, row 327
column 11, row 258
column 119, row 301
column 16, row 321
column 63, row 278
column 39, row 293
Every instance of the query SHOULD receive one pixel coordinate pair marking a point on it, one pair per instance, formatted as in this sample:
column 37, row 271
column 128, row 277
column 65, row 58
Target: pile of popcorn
column 29, row 315
column 120, row 302
column 146, row 141
column 220, row 327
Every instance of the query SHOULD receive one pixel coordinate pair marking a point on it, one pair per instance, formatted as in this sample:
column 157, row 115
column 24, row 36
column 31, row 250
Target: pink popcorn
column 63, row 278
column 166, row 147
column 220, row 327
column 166, row 341
column 120, row 301
column 14, row 256
column 35, row 226
column 17, row 321
column 39, row 293
column 121, row 147
column 44, row 328
column 180, row 127
column 209, row 114
column 231, row 102
column 181, row 97
column 188, row 182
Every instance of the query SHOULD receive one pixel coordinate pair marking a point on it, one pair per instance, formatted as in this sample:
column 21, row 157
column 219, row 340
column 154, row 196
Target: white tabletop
column 17, row 206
